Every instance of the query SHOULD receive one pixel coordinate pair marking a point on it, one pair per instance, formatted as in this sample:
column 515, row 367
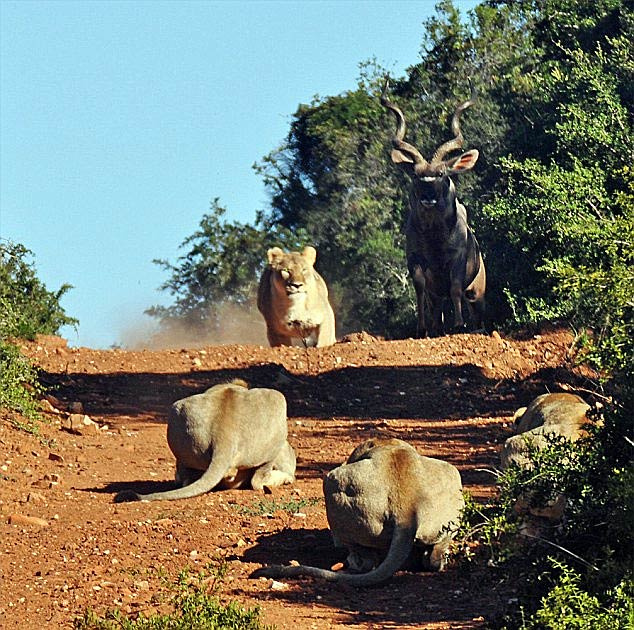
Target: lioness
column 293, row 298
column 228, row 436
column 390, row 507
column 558, row 414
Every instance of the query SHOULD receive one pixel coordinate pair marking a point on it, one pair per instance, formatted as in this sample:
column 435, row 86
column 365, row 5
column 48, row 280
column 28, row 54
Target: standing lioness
column 293, row 298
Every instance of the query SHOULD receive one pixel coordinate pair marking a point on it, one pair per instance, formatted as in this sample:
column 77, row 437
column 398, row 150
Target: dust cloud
column 237, row 325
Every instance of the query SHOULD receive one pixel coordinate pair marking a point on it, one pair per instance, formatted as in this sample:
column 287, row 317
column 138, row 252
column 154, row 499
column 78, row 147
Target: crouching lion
column 391, row 508
column 559, row 414
column 233, row 436
column 293, row 298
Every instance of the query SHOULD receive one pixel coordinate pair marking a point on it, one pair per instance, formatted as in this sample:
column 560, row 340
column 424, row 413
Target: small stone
column 21, row 519
column 55, row 402
column 80, row 424
column 278, row 586
column 55, row 457
column 36, row 498
column 47, row 407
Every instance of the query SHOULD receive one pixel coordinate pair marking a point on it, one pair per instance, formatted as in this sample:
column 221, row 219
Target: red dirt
column 451, row 397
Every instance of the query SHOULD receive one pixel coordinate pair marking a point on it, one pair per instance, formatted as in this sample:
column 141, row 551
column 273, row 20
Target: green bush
column 569, row 607
column 26, row 309
column 195, row 607
column 18, row 382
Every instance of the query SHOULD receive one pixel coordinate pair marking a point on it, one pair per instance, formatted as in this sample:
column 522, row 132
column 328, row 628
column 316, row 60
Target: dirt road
column 451, row 398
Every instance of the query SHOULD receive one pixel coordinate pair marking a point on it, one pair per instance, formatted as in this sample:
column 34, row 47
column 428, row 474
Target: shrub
column 195, row 607
column 26, row 309
column 569, row 607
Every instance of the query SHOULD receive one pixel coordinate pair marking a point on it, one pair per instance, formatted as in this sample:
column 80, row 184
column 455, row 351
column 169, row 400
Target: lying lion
column 293, row 298
column 390, row 507
column 558, row 414
column 227, row 437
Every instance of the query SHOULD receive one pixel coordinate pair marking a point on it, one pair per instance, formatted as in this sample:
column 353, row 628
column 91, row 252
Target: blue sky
column 120, row 121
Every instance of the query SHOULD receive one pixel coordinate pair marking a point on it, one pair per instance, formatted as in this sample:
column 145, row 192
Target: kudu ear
column 404, row 161
column 398, row 157
column 310, row 254
column 274, row 254
column 463, row 162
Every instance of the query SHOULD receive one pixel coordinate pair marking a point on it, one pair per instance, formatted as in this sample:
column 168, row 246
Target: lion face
column 293, row 272
column 293, row 298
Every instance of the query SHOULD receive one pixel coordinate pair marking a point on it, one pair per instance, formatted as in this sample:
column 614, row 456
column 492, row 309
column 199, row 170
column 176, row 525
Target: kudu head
column 432, row 182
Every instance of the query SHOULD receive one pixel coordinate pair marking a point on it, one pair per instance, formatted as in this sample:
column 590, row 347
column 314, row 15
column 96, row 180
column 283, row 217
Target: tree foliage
column 27, row 308
column 222, row 263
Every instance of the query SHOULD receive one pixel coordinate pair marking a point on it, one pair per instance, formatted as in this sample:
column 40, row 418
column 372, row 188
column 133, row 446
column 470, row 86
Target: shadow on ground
column 423, row 392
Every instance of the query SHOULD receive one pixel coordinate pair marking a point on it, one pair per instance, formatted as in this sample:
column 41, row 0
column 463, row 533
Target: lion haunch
column 389, row 507
column 233, row 435
column 558, row 414
column 293, row 299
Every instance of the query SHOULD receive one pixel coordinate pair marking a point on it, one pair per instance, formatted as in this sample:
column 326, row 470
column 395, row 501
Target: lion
column 293, row 299
column 560, row 414
column 555, row 415
column 391, row 508
column 227, row 437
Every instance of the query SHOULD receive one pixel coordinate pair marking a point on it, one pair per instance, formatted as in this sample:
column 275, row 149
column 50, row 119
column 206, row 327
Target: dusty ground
column 452, row 398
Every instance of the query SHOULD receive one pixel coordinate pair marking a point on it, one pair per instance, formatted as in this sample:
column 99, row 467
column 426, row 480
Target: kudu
column 443, row 255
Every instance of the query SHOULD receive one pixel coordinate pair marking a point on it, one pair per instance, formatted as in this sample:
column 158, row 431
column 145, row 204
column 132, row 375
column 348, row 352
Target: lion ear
column 310, row 254
column 274, row 254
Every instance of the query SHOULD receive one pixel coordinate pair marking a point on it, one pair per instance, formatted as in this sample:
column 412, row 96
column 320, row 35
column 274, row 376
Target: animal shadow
column 307, row 546
column 140, row 486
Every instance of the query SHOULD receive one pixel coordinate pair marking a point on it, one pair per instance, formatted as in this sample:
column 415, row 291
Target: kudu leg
column 456, row 300
column 418, row 279
column 476, row 313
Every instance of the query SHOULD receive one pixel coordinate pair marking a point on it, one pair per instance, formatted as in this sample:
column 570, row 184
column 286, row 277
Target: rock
column 80, row 424
column 362, row 337
column 278, row 586
column 42, row 483
column 55, row 457
column 21, row 519
column 47, row 407
column 54, row 402
column 36, row 498
column 76, row 407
